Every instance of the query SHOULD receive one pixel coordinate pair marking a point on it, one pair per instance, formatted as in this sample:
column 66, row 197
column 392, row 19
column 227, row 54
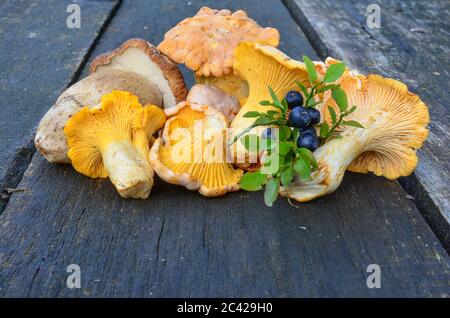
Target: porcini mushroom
column 136, row 66
column 262, row 66
column 214, row 97
column 140, row 57
column 113, row 141
column 395, row 122
column 192, row 151
column 206, row 41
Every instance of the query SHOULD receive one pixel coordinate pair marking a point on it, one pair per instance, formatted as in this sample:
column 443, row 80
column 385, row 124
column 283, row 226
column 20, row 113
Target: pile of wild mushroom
column 133, row 115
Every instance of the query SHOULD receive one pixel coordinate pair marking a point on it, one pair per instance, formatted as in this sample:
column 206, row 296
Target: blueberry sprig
column 296, row 119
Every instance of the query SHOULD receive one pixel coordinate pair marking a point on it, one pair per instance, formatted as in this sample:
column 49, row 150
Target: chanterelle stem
column 128, row 169
column 333, row 159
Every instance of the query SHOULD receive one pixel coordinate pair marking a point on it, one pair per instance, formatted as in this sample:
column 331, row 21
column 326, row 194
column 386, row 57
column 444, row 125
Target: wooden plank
column 179, row 244
column 412, row 45
column 40, row 57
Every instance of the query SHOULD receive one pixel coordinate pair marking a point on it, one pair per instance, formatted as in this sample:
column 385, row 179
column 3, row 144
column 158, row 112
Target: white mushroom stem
column 333, row 158
column 128, row 169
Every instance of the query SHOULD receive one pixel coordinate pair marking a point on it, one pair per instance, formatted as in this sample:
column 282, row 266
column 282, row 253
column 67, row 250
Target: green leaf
column 341, row 99
column 352, row 123
column 308, row 155
column 263, row 120
column 312, row 103
column 295, row 134
column 265, row 103
column 332, row 114
column 285, row 105
column 252, row 114
column 351, row 110
column 271, row 193
column 272, row 113
column 253, row 181
column 328, row 87
column 324, row 130
column 282, row 162
column 311, row 69
column 275, row 99
column 289, row 158
column 287, row 175
column 251, row 142
column 303, row 88
column 284, row 132
column 285, row 147
column 334, row 72
column 303, row 168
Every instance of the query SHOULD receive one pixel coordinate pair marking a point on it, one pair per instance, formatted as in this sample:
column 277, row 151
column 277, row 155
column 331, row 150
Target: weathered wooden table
column 178, row 243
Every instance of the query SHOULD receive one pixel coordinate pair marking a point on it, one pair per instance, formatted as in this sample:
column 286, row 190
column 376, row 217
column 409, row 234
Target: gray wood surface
column 180, row 244
column 413, row 46
column 39, row 57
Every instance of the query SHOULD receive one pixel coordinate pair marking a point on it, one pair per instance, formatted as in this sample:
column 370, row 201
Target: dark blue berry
column 309, row 130
column 294, row 99
column 315, row 116
column 309, row 141
column 267, row 133
column 299, row 117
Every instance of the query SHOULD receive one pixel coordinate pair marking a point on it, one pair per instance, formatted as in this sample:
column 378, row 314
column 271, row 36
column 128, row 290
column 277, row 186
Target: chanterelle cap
column 205, row 42
column 197, row 162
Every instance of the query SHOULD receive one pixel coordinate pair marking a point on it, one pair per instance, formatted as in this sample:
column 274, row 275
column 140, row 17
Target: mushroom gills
column 197, row 162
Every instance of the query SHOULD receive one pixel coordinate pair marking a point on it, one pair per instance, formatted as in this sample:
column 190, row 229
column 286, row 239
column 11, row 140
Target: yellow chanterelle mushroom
column 113, row 140
column 192, row 151
column 395, row 123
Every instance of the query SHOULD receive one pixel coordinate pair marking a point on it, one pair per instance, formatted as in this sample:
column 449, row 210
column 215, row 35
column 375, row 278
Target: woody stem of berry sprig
column 311, row 94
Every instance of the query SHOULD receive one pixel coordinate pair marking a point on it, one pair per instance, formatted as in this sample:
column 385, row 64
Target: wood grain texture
column 413, row 46
column 39, row 57
column 179, row 244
